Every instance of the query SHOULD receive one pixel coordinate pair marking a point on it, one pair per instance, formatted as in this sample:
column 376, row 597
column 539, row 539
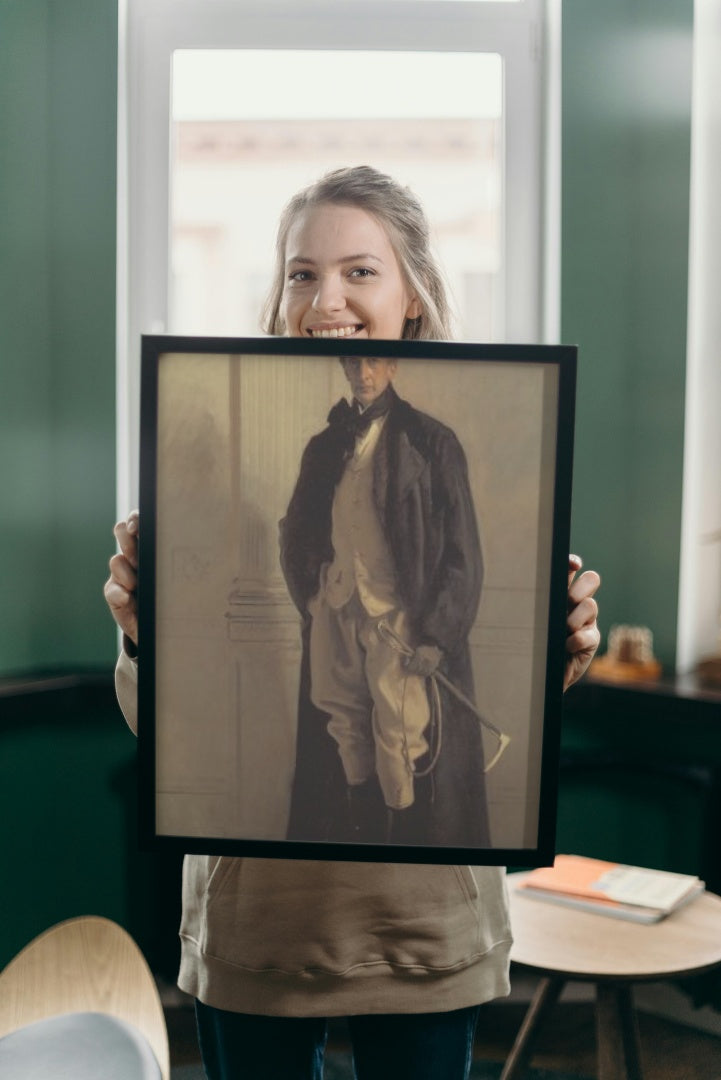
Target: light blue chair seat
column 79, row 1002
column 78, row 1046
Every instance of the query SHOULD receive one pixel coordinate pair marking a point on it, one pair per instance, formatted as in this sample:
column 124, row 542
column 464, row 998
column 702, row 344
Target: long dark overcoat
column 423, row 498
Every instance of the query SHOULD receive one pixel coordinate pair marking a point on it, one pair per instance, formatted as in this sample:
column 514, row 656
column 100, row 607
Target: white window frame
column 699, row 597
column 526, row 34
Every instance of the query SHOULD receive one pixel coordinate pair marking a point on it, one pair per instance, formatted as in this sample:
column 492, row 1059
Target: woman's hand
column 582, row 634
column 121, row 587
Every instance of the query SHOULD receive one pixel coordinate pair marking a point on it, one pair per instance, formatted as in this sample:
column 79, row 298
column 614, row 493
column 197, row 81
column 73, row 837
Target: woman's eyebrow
column 361, row 257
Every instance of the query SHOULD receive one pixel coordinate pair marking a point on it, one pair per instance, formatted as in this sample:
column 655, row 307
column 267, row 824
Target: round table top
column 559, row 940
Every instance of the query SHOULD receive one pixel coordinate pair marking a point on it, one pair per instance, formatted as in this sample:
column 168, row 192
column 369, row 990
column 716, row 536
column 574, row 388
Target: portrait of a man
column 381, row 553
column 350, row 580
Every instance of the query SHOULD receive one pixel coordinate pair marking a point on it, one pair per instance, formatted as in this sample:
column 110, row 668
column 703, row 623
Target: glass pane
column 250, row 128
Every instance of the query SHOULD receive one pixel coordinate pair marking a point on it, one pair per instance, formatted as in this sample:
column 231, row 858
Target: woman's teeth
column 336, row 332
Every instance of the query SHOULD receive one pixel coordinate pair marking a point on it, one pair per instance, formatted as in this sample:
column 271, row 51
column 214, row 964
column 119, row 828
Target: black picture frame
column 226, row 757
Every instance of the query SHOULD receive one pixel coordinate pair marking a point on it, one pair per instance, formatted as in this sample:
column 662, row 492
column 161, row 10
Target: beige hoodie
column 287, row 937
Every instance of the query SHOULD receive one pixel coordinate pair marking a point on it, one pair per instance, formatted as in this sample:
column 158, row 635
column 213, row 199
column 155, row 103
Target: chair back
column 87, row 964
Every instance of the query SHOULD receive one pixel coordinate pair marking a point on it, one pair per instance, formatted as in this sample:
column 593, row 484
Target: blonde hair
column 403, row 217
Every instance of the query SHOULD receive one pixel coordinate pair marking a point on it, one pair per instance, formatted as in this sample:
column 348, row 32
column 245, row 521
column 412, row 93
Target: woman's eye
column 299, row 276
column 362, row 272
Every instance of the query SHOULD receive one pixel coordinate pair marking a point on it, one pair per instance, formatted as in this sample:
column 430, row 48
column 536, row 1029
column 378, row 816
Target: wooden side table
column 562, row 944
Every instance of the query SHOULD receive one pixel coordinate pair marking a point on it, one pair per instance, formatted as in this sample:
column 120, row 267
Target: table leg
column 545, row 997
column 617, row 1033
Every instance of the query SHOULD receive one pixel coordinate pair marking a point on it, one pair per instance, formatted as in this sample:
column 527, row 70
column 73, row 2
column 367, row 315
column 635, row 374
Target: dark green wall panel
column 68, row 800
column 26, row 395
column 58, row 77
column 82, row 205
column 626, row 145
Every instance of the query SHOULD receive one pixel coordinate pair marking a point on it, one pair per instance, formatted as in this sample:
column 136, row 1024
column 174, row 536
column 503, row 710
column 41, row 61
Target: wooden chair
column 90, row 972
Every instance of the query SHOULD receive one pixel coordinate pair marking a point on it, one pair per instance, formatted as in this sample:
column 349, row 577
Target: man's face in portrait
column 368, row 376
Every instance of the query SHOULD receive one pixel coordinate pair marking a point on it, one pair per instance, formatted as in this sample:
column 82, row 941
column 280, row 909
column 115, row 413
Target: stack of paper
column 608, row 888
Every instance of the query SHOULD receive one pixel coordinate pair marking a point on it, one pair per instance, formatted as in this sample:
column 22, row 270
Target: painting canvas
column 352, row 620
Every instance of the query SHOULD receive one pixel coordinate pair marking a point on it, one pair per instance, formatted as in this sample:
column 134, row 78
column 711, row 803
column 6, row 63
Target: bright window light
column 251, row 127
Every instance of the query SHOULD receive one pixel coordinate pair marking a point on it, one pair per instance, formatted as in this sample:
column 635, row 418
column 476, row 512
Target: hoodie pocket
column 296, row 916
column 468, row 885
column 204, row 876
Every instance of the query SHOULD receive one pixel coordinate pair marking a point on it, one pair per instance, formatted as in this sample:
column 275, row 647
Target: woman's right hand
column 121, row 587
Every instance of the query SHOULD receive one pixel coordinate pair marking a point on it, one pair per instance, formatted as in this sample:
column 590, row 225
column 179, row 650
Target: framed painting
column 352, row 597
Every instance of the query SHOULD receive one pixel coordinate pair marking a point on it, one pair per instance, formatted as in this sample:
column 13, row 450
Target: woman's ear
column 415, row 309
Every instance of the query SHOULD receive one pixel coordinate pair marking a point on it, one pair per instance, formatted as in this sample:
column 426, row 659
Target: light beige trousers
column 378, row 711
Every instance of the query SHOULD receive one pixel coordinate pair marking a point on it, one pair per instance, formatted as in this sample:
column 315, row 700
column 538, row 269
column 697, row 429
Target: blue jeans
column 414, row 1046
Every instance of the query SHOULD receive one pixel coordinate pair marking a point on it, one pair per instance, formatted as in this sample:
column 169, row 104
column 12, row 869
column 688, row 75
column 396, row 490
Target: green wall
column 625, row 199
column 68, row 803
column 626, row 137
column 58, row 72
column 67, row 761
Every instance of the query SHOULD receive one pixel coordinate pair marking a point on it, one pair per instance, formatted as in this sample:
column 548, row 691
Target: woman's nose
column 329, row 295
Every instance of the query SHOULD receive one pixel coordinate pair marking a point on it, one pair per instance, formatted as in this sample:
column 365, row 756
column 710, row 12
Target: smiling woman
column 338, row 293
column 353, row 259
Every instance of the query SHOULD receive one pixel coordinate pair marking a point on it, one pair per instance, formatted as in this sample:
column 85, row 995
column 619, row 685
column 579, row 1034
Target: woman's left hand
column 582, row 634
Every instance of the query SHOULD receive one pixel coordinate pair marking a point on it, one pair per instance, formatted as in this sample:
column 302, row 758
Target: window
column 236, row 160
column 453, row 101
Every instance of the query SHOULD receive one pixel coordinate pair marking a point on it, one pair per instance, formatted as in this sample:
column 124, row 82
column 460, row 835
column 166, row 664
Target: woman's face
column 342, row 277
